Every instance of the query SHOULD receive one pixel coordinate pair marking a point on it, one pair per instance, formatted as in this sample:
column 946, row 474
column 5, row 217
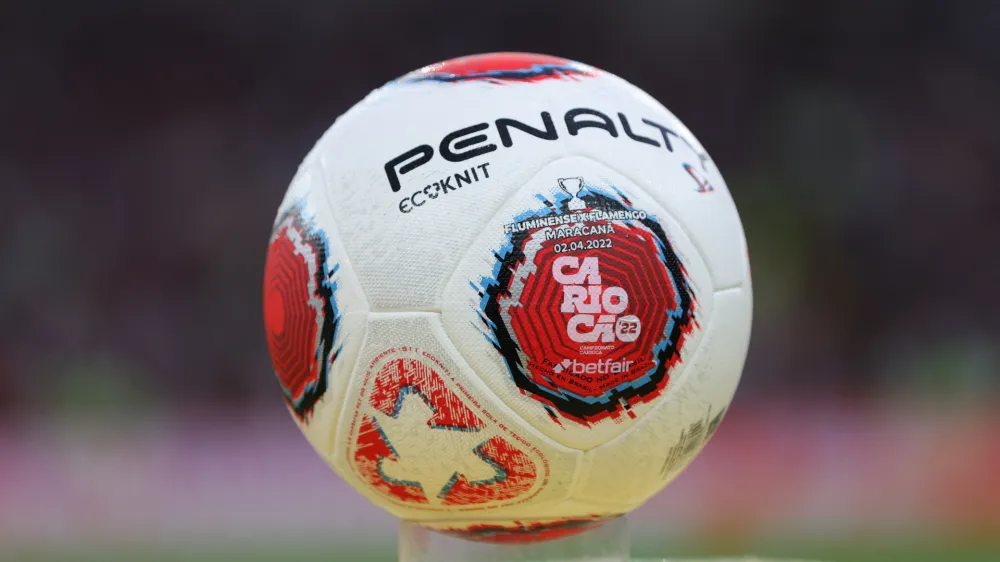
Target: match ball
column 507, row 297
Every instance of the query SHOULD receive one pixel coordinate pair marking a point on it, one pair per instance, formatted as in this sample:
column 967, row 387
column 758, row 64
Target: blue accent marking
column 385, row 438
column 410, row 389
column 446, row 489
column 499, row 472
column 378, row 465
column 327, row 274
column 621, row 196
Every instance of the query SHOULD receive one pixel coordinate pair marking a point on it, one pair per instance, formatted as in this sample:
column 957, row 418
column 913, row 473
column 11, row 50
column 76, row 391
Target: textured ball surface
column 508, row 296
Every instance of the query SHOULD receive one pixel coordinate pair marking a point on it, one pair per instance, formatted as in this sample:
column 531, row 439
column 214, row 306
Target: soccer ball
column 508, row 296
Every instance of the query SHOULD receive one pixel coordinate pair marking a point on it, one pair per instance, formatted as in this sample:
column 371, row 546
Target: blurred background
column 145, row 146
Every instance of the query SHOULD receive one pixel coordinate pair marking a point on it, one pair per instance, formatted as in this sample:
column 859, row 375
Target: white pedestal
column 606, row 543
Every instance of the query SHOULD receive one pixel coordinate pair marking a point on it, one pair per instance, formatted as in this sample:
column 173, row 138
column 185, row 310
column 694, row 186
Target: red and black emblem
column 523, row 532
column 300, row 311
column 588, row 303
column 428, row 476
column 500, row 68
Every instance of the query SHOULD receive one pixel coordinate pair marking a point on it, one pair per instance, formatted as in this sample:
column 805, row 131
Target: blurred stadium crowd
column 146, row 145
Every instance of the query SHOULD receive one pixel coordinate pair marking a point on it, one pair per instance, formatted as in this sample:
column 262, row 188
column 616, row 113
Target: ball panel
column 404, row 183
column 420, row 437
column 661, row 444
column 686, row 181
column 314, row 311
column 587, row 296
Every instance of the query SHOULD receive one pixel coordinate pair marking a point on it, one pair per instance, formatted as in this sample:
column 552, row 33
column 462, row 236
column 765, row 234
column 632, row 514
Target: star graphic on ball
column 429, row 456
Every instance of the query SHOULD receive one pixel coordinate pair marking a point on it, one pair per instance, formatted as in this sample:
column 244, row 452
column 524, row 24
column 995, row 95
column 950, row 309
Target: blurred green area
column 862, row 550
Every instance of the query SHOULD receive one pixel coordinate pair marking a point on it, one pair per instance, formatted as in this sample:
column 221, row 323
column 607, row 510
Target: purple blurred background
column 145, row 145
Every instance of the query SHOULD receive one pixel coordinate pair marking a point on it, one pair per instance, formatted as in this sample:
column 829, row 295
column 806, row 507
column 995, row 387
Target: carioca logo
column 595, row 308
column 588, row 331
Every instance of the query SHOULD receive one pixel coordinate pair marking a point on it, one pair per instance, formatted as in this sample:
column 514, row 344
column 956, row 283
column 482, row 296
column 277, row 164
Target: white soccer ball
column 508, row 296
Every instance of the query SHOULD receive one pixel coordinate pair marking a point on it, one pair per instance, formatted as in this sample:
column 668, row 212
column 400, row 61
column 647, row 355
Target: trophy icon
column 572, row 186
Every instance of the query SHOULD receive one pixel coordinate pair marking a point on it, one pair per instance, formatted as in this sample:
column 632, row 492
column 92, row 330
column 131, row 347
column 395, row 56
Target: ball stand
column 606, row 543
